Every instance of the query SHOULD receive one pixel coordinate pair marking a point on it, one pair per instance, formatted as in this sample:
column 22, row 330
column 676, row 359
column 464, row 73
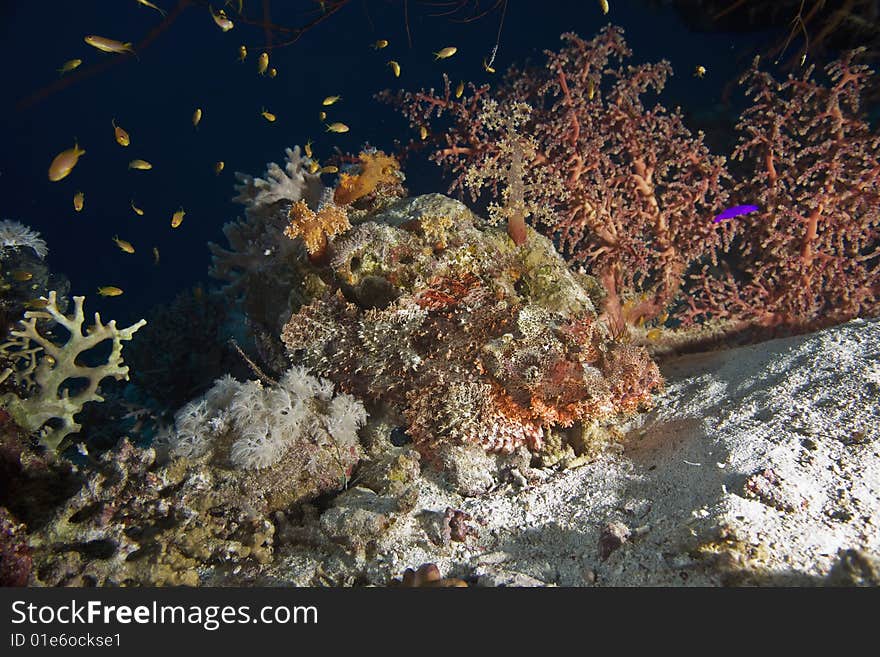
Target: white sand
column 757, row 465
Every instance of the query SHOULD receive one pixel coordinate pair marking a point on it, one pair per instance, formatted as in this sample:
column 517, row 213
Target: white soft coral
column 15, row 235
column 266, row 422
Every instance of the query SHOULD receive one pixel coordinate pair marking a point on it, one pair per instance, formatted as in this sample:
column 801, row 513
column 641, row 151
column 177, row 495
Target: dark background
column 194, row 64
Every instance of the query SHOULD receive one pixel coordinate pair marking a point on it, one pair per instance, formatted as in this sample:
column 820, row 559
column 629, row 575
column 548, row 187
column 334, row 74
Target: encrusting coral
column 47, row 369
column 202, row 498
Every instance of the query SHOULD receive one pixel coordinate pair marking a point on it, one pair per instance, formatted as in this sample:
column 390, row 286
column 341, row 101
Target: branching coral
column 811, row 255
column 626, row 189
column 291, row 184
column 640, row 191
column 51, row 370
column 264, row 269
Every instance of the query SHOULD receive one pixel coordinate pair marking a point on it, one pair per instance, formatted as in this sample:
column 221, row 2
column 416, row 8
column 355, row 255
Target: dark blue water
column 193, row 64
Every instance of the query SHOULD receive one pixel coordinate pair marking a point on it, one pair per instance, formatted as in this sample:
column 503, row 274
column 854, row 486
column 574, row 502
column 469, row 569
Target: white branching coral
column 263, row 423
column 292, row 183
column 59, row 382
column 15, row 235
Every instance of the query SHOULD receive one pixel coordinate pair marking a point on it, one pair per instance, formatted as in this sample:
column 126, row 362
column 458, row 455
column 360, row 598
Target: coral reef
column 626, row 189
column 50, row 371
column 639, row 190
column 140, row 523
column 480, row 342
column 201, row 500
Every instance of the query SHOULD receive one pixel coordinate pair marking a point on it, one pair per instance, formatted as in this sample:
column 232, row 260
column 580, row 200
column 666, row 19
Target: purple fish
column 736, row 211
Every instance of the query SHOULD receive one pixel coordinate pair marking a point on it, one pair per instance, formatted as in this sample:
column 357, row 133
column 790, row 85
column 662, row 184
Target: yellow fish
column 314, row 166
column 699, row 71
column 108, row 45
column 263, row 63
column 36, row 304
column 221, row 19
column 423, row 133
column 446, row 52
column 137, row 210
column 64, row 162
column 591, row 90
column 337, row 127
column 395, row 67
column 22, row 276
column 487, row 66
column 197, row 116
column 218, row 167
column 78, row 200
column 329, row 100
column 155, row 255
column 273, row 72
column 381, row 43
column 266, row 114
column 308, row 148
column 122, row 244
column 459, row 89
column 242, row 53
column 143, row 165
column 322, row 115
column 329, row 169
column 109, row 291
column 147, row 3
column 69, row 65
column 603, row 5
column 122, row 137
column 177, row 218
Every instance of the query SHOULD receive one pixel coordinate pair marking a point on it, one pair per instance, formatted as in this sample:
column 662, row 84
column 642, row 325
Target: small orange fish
column 177, row 218
column 123, row 245
column 395, row 67
column 64, row 162
column 121, row 135
column 445, row 53
column 108, row 45
column 78, row 200
column 109, row 291
column 142, row 165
